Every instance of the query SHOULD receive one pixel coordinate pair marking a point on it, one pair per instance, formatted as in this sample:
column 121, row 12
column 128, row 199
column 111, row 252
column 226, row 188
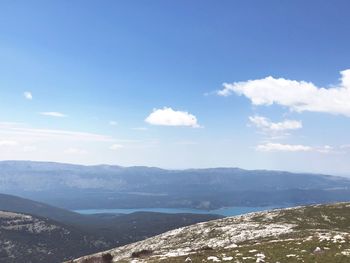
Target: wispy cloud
column 8, row 143
column 22, row 132
column 113, row 123
column 327, row 149
column 30, row 148
column 16, row 146
column 296, row 95
column 53, row 114
column 75, row 151
column 273, row 128
column 28, row 95
column 116, row 147
column 278, row 147
column 140, row 128
column 169, row 117
column 186, row 143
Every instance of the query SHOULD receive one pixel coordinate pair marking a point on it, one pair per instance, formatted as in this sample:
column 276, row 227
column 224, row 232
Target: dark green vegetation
column 105, row 186
column 66, row 234
column 319, row 233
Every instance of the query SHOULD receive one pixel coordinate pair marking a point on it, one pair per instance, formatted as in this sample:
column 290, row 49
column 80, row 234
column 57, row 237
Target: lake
column 226, row 211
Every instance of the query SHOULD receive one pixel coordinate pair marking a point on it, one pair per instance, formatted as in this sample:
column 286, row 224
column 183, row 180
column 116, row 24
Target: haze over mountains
column 105, row 186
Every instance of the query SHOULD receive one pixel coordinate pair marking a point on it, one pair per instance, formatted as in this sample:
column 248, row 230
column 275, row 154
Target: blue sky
column 142, row 83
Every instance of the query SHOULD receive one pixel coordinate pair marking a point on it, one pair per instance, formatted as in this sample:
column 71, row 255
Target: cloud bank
column 296, row 95
column 170, row 117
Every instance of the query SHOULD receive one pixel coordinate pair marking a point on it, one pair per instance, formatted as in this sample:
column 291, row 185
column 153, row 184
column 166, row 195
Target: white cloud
column 326, row 149
column 296, row 95
column 266, row 125
column 75, row 151
column 169, row 117
column 8, row 143
column 113, row 123
column 116, row 147
column 278, row 147
column 53, row 114
column 28, row 95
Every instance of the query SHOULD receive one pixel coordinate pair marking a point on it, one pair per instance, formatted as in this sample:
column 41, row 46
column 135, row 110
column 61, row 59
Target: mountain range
column 105, row 186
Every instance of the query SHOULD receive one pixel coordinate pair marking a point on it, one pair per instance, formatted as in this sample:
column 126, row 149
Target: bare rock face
column 26, row 223
column 294, row 234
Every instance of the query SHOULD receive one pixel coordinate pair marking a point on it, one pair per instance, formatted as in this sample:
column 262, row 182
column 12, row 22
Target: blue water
column 226, row 211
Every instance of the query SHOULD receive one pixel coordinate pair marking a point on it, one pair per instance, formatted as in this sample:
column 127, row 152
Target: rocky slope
column 319, row 233
column 26, row 238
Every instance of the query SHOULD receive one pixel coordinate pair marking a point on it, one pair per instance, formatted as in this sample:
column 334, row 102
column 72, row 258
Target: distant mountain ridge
column 105, row 186
column 114, row 173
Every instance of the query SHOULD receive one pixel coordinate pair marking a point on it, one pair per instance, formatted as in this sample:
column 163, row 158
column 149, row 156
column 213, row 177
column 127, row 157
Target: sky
column 177, row 84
